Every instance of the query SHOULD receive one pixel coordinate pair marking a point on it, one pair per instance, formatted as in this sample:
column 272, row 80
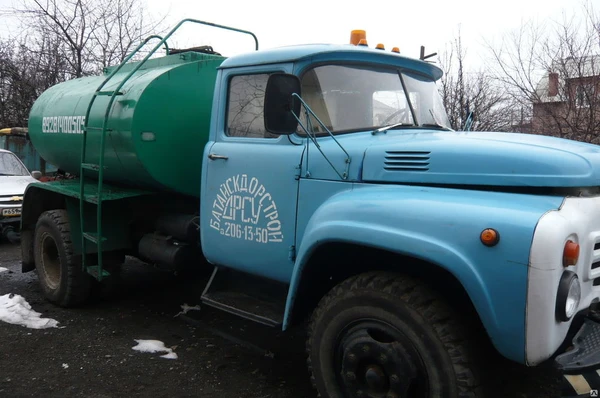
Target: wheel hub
column 50, row 261
column 375, row 377
column 376, row 363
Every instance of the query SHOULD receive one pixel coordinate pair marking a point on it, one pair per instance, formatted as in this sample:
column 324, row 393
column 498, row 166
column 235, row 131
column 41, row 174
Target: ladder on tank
column 96, row 237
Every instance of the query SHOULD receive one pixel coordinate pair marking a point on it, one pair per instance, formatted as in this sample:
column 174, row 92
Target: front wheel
column 388, row 336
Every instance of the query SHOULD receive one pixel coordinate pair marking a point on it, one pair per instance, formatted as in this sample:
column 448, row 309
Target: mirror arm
column 307, row 109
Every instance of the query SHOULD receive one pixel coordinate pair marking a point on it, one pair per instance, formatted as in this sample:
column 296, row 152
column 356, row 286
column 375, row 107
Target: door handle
column 213, row 156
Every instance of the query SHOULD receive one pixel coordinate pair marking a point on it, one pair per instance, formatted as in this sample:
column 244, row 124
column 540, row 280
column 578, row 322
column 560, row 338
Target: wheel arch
column 445, row 266
column 322, row 271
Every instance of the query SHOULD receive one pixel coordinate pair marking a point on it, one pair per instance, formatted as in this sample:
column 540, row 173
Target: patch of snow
column 2, row 269
column 153, row 346
column 65, row 366
column 187, row 308
column 16, row 310
column 170, row 355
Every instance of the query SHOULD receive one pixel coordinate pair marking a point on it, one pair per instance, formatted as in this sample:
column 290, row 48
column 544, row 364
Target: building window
column 245, row 113
column 584, row 95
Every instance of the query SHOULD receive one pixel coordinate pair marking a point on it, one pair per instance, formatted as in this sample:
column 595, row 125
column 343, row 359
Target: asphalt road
column 219, row 355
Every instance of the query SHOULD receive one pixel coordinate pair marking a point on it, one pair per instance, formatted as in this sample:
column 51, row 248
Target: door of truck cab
column 249, row 187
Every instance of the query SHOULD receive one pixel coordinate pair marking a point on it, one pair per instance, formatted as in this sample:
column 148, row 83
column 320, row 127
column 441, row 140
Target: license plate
column 11, row 212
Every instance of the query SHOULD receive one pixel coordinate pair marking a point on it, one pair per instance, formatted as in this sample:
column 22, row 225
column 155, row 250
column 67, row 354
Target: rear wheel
column 61, row 277
column 388, row 336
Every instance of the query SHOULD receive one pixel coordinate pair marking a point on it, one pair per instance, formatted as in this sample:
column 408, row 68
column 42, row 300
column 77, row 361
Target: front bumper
column 580, row 364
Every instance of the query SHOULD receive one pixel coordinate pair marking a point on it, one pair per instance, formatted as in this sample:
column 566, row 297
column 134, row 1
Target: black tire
column 62, row 279
column 386, row 335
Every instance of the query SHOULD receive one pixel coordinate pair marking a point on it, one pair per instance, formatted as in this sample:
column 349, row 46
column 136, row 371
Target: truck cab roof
column 330, row 52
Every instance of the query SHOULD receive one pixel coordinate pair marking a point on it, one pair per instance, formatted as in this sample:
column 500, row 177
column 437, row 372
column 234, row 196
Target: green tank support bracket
column 96, row 237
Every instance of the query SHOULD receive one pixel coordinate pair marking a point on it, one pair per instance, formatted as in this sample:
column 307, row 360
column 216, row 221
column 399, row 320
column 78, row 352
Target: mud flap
column 580, row 365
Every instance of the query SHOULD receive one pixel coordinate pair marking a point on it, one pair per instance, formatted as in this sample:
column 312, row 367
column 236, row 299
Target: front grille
column 594, row 271
column 407, row 161
column 9, row 200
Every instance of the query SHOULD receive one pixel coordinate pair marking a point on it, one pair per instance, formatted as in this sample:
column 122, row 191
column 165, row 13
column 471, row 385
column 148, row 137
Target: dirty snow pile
column 16, row 310
column 185, row 308
column 2, row 269
column 154, row 346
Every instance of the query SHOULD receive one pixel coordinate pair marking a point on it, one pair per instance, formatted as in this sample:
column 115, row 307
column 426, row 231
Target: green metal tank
column 157, row 127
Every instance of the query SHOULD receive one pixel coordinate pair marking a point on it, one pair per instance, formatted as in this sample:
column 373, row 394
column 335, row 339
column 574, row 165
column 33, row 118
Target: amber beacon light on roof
column 358, row 37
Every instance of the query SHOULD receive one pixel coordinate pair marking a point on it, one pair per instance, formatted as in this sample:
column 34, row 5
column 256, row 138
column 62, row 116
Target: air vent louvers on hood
column 406, row 161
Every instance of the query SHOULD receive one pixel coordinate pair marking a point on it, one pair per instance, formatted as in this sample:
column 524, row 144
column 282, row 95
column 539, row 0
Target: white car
column 14, row 178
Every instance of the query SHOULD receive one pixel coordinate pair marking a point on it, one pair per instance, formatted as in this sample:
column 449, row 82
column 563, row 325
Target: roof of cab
column 330, row 52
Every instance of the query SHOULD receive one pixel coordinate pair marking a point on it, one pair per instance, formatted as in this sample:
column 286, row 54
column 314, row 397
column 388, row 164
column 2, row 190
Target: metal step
column 248, row 296
column 91, row 166
column 94, row 270
column 93, row 237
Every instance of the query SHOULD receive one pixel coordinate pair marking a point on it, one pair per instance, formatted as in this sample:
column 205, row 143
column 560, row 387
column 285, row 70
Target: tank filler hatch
column 200, row 49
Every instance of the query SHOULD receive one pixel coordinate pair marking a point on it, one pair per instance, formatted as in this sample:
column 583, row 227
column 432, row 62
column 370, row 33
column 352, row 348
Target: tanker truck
column 322, row 184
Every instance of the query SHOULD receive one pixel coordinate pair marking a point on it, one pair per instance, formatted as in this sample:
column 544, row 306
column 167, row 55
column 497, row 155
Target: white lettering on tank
column 243, row 209
column 63, row 124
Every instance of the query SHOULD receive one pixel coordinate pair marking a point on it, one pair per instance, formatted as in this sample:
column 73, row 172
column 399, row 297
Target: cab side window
column 245, row 111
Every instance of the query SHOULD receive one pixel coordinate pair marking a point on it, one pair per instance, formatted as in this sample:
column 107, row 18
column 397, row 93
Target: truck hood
column 473, row 158
column 14, row 185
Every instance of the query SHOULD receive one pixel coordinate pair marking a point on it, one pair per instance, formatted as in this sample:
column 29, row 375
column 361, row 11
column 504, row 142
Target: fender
column 442, row 226
column 64, row 194
column 38, row 197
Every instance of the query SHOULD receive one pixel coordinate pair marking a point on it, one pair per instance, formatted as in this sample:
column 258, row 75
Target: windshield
column 10, row 165
column 354, row 98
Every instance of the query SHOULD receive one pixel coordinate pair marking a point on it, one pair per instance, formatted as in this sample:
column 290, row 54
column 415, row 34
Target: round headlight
column 568, row 296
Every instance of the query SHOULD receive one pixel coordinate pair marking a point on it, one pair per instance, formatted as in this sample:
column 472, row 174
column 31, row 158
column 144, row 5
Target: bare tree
column 24, row 74
column 64, row 39
column 552, row 69
column 91, row 33
column 466, row 91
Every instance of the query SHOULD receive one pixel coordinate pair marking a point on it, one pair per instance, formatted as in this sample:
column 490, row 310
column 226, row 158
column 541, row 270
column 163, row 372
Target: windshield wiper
column 435, row 125
column 7, row 174
column 391, row 126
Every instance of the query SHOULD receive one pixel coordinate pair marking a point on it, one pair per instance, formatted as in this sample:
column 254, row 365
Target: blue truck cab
column 332, row 170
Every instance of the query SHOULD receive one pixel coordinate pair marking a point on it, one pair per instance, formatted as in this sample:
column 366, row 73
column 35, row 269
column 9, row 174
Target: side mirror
column 36, row 174
column 279, row 103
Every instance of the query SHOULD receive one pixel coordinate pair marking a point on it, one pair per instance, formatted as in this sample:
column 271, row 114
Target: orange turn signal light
column 490, row 237
column 570, row 253
column 380, row 46
column 396, row 50
column 362, row 42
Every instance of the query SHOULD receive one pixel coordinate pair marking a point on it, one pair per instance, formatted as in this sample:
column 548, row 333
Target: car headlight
column 568, row 296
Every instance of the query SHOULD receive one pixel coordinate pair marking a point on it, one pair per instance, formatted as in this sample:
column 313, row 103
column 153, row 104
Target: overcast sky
column 407, row 25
